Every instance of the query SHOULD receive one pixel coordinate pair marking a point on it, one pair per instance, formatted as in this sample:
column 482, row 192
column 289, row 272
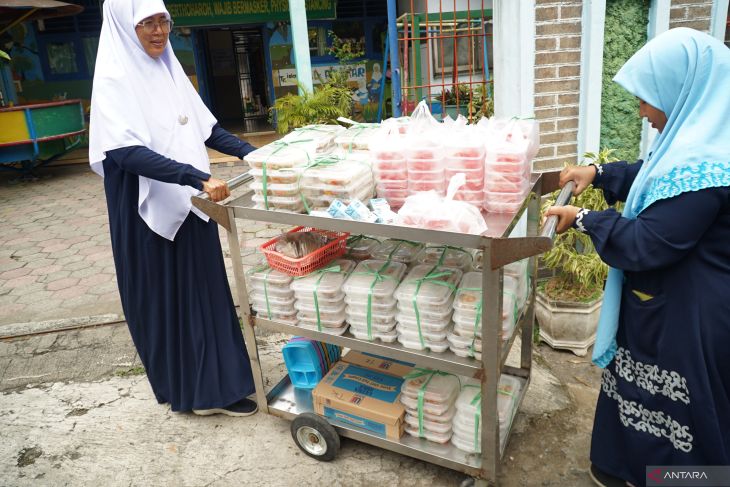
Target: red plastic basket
column 310, row 262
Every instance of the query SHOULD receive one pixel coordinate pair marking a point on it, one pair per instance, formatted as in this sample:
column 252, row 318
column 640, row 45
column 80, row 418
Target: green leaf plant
column 580, row 273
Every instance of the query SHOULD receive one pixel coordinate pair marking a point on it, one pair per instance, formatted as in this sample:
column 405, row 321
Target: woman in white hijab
column 148, row 133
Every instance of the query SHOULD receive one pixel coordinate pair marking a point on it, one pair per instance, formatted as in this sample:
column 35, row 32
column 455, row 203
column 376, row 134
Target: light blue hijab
column 685, row 74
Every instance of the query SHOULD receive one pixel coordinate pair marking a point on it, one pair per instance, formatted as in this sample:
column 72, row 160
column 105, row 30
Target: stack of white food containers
column 357, row 137
column 465, row 340
column 518, row 271
column 270, row 296
column 465, row 154
column 429, row 397
column 321, row 135
column 424, row 160
column 397, row 250
column 425, row 299
column 336, row 177
column 389, row 165
column 446, row 255
column 361, row 247
column 276, row 167
column 371, row 307
column 467, row 422
column 320, row 301
column 510, row 149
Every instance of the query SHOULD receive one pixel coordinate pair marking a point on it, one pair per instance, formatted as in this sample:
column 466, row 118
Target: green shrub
column 581, row 273
column 625, row 33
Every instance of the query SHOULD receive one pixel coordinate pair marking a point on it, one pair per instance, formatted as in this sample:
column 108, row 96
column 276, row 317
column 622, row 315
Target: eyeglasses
column 150, row 26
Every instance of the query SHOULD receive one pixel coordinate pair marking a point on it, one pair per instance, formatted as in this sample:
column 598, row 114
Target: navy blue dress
column 665, row 397
column 175, row 295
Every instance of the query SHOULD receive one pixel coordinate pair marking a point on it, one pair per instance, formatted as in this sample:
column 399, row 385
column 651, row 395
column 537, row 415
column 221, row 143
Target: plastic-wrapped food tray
column 363, row 280
column 361, row 247
column 273, row 176
column 437, row 347
column 362, row 334
column 398, row 250
column 282, row 292
column 362, row 325
column 439, row 428
column 429, row 292
column 329, row 330
column 441, row 438
column 433, row 326
column 444, row 255
column 412, row 334
column 432, row 408
column 382, row 306
column 326, row 282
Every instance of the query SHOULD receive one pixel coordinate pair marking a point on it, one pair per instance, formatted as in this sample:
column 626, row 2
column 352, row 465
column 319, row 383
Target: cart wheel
column 315, row 437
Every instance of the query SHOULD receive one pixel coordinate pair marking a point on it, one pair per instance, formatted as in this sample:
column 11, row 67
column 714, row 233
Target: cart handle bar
column 232, row 184
column 551, row 223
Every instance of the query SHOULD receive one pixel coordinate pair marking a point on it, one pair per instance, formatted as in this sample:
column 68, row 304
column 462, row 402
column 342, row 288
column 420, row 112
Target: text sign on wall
column 187, row 13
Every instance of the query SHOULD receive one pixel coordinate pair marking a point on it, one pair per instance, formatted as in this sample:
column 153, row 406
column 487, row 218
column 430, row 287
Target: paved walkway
column 55, row 253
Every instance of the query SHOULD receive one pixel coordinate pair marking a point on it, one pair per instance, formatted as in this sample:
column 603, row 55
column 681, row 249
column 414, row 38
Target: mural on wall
column 365, row 77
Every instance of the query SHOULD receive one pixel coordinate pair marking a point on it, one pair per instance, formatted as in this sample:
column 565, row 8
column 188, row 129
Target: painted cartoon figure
column 375, row 82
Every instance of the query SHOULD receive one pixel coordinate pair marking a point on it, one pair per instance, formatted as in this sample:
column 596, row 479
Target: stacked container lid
column 429, row 397
column 424, row 160
column 465, row 340
column 510, row 149
column 465, row 155
column 446, row 255
column 270, row 296
column 320, row 302
column 357, row 137
column 361, row 247
column 276, row 167
column 467, row 423
column 398, row 250
column 331, row 177
column 425, row 300
column 389, row 165
column 371, row 307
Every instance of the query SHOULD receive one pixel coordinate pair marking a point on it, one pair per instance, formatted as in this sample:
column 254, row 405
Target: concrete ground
column 76, row 409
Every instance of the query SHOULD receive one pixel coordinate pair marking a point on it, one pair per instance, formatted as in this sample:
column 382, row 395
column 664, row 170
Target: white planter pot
column 567, row 325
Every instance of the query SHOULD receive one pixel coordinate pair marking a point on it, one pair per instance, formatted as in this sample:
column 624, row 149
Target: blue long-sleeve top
column 142, row 161
column 662, row 234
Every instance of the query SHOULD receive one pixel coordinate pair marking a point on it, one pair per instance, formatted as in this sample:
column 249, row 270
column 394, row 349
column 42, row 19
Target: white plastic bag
column 433, row 211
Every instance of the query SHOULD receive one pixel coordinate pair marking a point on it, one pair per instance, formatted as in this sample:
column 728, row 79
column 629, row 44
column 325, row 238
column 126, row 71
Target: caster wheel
column 315, row 437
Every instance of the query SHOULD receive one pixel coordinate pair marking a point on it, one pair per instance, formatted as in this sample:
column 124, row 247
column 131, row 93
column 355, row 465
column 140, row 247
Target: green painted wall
column 626, row 24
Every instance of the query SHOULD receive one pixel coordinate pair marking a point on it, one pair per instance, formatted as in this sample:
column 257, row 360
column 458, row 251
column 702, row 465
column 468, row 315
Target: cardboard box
column 380, row 364
column 357, row 396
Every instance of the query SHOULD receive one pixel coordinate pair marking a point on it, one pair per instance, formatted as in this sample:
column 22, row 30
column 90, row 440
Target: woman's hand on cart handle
column 217, row 189
column 566, row 216
column 582, row 175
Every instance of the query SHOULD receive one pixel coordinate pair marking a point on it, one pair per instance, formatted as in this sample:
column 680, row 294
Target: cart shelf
column 446, row 362
column 285, row 402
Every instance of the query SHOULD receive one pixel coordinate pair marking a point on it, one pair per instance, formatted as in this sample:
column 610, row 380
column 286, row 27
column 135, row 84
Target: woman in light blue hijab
column 664, row 334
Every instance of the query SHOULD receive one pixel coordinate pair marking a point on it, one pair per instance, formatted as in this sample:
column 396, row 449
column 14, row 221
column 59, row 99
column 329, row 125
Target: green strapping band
column 477, row 321
column 378, row 277
column 400, row 242
column 449, row 247
column 429, row 277
column 419, row 372
column 266, row 285
column 322, row 272
column 477, row 402
column 279, row 145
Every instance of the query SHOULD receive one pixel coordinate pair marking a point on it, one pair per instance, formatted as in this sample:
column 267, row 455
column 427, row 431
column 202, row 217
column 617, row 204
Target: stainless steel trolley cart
column 320, row 439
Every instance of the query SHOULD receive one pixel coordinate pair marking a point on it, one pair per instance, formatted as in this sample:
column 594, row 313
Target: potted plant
column 568, row 305
column 328, row 101
column 471, row 102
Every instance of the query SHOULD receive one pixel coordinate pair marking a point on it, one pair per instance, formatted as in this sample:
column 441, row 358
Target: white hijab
column 140, row 100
